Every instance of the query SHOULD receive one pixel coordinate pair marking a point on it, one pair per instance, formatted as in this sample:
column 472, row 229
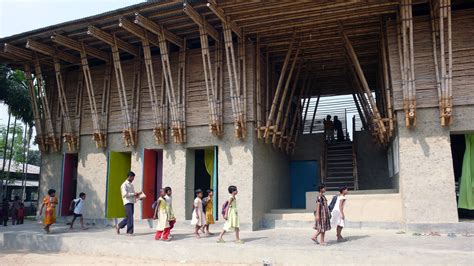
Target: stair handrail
column 354, row 155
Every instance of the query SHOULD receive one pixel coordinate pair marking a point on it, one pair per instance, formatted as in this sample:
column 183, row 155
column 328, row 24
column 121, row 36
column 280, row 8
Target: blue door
column 304, row 177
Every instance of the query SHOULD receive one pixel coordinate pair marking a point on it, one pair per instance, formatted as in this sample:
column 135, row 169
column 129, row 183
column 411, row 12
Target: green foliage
column 14, row 92
column 34, row 157
column 17, row 151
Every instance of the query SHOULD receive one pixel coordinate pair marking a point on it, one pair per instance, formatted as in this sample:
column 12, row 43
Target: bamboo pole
column 296, row 117
column 267, row 85
column 288, row 106
column 434, row 40
column 270, row 118
column 39, row 139
column 51, row 139
column 314, row 114
column 276, row 127
column 365, row 86
column 387, row 85
column 258, row 88
column 361, row 115
column 127, row 131
column 69, row 137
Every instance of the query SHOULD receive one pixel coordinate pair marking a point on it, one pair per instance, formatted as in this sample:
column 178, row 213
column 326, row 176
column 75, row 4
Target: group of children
column 16, row 212
column 202, row 217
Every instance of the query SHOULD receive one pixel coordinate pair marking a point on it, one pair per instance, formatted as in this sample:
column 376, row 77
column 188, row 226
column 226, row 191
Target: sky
column 17, row 16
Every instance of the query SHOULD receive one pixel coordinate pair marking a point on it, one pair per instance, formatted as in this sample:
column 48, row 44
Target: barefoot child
column 49, row 205
column 322, row 219
column 76, row 207
column 162, row 216
column 231, row 216
column 198, row 219
column 209, row 208
column 338, row 218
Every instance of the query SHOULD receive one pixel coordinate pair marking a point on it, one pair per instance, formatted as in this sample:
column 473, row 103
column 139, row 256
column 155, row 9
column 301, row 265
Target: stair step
column 341, row 164
column 339, row 168
column 339, row 178
column 338, row 151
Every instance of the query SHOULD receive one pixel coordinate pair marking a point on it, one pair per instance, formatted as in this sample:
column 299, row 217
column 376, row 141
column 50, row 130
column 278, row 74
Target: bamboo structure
column 386, row 83
column 177, row 130
column 129, row 132
column 39, row 138
column 378, row 122
column 440, row 18
column 99, row 133
column 270, row 127
column 52, row 140
column 69, row 136
column 407, row 60
column 158, row 105
column 297, row 115
column 214, row 102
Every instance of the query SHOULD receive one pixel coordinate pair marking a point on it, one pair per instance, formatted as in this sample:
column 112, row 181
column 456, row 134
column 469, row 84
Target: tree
column 14, row 93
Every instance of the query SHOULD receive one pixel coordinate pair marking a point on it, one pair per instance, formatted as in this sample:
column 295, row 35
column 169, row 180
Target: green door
column 118, row 167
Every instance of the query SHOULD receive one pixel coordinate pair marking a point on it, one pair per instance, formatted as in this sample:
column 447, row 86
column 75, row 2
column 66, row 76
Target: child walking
column 231, row 216
column 163, row 226
column 198, row 219
column 169, row 208
column 76, row 206
column 322, row 223
column 338, row 218
column 209, row 209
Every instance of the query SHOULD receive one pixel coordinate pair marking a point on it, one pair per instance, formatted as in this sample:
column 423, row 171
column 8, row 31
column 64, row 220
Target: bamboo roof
column 316, row 24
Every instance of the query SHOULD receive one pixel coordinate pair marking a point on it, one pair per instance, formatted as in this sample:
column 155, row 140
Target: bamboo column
column 70, row 138
column 359, row 74
column 136, row 92
column 269, row 127
column 284, row 128
column 283, row 97
column 296, row 116
column 387, row 84
column 258, row 86
column 51, row 139
column 39, row 139
column 407, row 61
column 182, row 92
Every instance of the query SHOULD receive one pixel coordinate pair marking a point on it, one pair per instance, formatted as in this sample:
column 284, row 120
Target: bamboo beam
column 112, row 40
column 51, row 51
column 297, row 116
column 387, row 84
column 258, row 87
column 138, row 31
column 78, row 46
column 158, row 30
column 201, row 22
column 219, row 12
column 361, row 115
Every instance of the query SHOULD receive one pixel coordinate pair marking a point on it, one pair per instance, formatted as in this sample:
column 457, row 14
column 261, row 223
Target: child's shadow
column 347, row 239
column 251, row 239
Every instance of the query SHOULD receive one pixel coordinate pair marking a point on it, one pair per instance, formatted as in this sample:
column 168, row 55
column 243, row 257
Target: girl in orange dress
column 209, row 209
column 50, row 202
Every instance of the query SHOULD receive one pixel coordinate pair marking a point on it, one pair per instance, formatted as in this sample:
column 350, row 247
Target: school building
column 207, row 94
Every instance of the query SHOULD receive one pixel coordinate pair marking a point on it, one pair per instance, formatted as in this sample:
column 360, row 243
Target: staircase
column 340, row 166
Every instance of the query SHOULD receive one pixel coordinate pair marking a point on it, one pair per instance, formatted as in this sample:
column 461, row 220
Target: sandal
column 220, row 240
column 240, row 241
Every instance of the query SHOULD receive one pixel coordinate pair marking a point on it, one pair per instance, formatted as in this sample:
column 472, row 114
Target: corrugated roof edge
column 116, row 12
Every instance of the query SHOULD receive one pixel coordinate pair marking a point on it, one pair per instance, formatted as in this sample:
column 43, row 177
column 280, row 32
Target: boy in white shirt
column 76, row 206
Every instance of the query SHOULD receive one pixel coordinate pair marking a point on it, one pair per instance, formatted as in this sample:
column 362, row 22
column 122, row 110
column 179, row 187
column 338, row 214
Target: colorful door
column 152, row 180
column 304, row 178
column 118, row 168
column 69, row 182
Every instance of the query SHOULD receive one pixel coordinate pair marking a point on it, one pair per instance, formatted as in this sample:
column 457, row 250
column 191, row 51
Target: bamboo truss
column 175, row 103
column 39, row 139
column 270, row 127
column 99, row 134
column 407, row 61
column 158, row 104
column 440, row 11
column 213, row 99
column 379, row 128
column 51, row 139
column 129, row 131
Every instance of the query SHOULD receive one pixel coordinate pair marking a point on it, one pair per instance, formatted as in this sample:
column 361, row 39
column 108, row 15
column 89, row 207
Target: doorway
column 206, row 172
column 152, row 180
column 304, row 178
column 462, row 153
column 118, row 167
column 69, row 182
